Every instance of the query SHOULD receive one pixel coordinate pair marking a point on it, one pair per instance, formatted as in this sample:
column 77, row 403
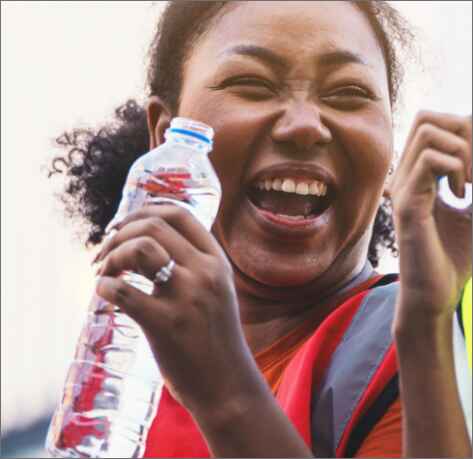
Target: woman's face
column 298, row 97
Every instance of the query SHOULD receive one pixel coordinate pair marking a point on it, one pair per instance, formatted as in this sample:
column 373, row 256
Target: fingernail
column 109, row 227
column 98, row 270
column 96, row 259
column 104, row 283
column 99, row 257
column 112, row 226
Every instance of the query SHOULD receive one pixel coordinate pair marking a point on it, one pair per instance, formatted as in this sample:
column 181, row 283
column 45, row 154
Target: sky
column 69, row 64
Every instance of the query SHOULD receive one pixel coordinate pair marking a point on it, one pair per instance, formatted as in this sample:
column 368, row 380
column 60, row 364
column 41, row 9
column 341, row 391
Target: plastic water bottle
column 113, row 386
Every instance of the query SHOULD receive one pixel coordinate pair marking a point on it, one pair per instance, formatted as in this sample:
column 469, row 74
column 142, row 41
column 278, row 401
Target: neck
column 265, row 318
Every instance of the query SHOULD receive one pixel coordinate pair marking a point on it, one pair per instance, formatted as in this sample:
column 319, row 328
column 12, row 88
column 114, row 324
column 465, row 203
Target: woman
column 259, row 346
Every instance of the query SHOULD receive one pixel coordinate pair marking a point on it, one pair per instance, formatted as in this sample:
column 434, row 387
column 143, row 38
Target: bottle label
column 169, row 182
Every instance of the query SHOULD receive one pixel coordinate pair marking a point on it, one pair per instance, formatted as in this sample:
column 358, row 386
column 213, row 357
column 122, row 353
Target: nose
column 301, row 125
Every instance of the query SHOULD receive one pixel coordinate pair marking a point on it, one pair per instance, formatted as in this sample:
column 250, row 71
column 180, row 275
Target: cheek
column 367, row 148
column 370, row 146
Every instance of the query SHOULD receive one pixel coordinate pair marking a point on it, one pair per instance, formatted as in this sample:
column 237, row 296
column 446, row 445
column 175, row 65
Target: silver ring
column 165, row 273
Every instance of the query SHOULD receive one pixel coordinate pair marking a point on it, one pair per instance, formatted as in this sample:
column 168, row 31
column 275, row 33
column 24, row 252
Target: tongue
column 279, row 202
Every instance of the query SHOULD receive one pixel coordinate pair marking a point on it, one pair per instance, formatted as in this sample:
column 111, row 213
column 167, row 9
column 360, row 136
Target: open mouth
column 294, row 199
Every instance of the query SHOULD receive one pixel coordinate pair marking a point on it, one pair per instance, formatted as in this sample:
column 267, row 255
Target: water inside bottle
column 114, row 385
column 176, row 185
column 110, row 389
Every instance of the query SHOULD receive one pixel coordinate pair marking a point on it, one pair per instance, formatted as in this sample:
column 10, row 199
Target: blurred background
column 69, row 64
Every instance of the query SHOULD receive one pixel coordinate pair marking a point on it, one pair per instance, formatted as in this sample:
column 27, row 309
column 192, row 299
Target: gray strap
column 352, row 366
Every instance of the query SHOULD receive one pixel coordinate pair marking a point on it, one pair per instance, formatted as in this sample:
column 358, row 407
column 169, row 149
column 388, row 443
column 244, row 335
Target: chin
column 282, row 276
column 265, row 265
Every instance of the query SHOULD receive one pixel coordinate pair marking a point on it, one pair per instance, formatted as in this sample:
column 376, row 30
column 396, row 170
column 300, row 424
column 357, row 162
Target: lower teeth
column 296, row 217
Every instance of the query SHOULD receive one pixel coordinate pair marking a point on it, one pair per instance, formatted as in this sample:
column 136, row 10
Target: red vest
column 334, row 390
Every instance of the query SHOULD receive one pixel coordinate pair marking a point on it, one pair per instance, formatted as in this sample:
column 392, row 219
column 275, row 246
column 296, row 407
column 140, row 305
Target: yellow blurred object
column 466, row 319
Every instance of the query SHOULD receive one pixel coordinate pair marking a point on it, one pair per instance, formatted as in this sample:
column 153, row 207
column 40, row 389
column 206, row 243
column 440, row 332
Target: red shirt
column 174, row 433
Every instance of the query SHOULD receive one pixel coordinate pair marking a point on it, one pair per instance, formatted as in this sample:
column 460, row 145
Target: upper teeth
column 313, row 187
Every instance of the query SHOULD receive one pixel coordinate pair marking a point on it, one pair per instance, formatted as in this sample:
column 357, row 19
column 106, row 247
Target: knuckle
column 424, row 132
column 457, row 165
column 121, row 293
column 428, row 158
column 211, row 278
column 428, row 155
column 431, row 158
column 462, row 144
column 143, row 247
column 422, row 116
column 180, row 215
column 155, row 226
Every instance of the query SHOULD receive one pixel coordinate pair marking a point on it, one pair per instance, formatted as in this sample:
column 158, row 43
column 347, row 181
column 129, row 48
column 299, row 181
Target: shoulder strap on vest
column 374, row 414
column 361, row 368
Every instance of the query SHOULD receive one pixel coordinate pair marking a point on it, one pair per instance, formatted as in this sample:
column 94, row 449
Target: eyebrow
column 339, row 58
column 263, row 54
column 336, row 58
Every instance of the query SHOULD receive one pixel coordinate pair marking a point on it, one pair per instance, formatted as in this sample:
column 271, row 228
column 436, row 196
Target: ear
column 387, row 192
column 158, row 117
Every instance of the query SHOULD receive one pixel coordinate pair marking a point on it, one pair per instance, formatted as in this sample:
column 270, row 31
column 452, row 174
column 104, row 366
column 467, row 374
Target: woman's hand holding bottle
column 191, row 321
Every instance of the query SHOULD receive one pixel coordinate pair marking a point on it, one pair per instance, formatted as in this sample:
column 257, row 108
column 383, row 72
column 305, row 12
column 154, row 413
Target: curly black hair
column 97, row 160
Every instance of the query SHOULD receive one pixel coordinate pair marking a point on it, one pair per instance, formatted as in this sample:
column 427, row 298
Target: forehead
column 294, row 28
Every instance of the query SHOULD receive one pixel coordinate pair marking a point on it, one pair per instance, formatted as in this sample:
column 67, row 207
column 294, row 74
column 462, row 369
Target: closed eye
column 351, row 91
column 248, row 80
column 349, row 97
column 250, row 86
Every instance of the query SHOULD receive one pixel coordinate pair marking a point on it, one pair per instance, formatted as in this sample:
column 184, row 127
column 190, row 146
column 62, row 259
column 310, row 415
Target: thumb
column 138, row 305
